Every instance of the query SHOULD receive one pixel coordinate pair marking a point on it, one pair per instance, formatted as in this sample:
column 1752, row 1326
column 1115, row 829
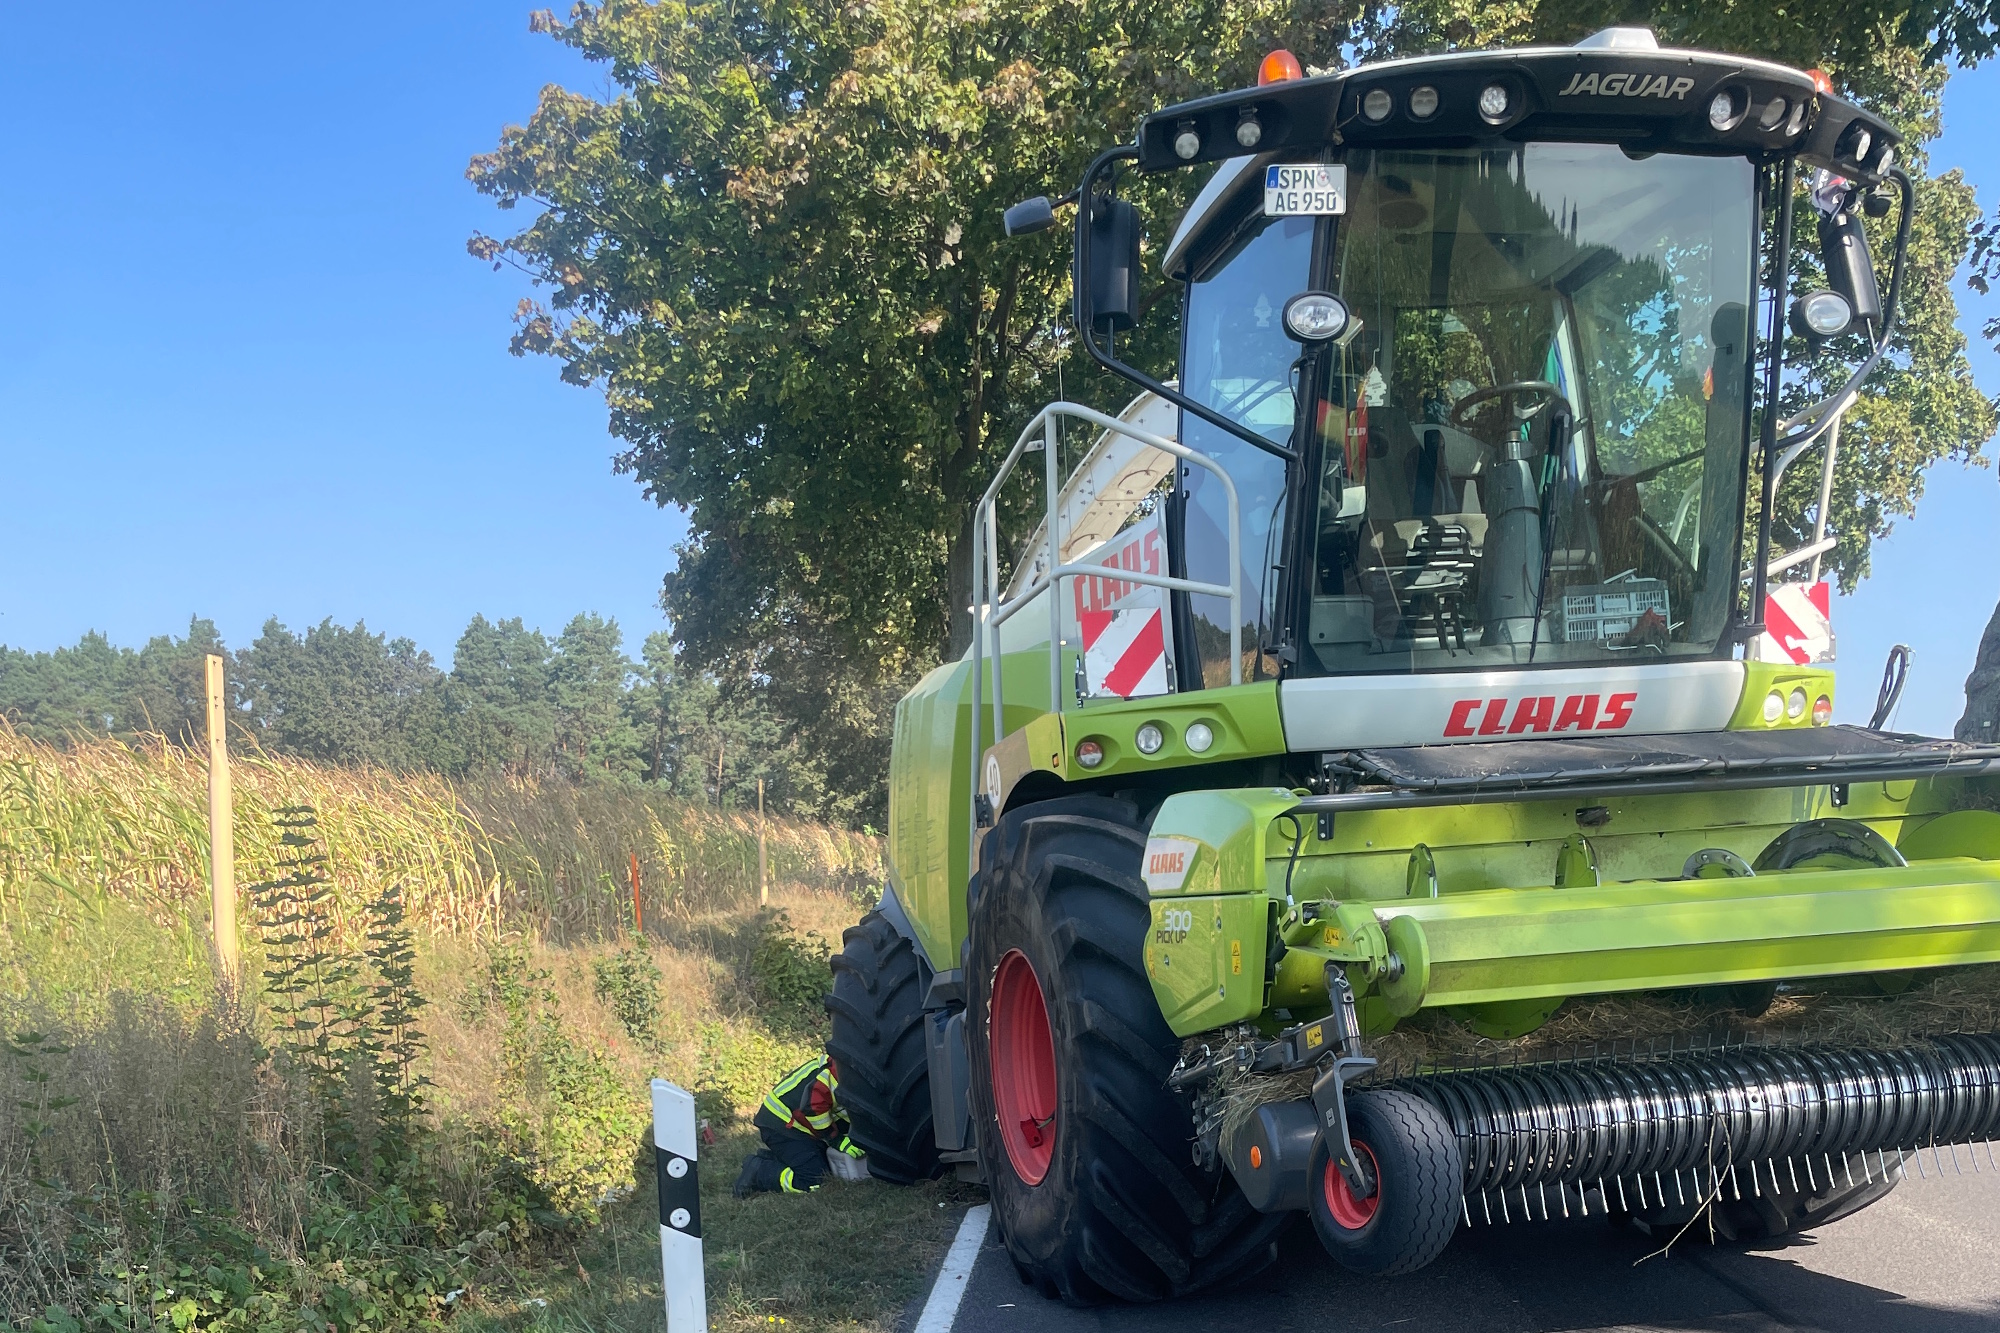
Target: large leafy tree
column 776, row 246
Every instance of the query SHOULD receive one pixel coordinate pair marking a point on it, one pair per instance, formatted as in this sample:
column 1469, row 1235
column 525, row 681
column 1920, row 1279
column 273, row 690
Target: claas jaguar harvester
column 1411, row 662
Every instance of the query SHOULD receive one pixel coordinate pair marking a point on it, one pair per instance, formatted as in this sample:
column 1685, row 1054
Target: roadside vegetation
column 430, row 1100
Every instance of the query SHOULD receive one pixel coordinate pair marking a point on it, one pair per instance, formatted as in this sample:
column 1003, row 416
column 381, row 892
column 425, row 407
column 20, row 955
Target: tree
column 777, row 248
column 96, row 689
column 503, row 715
column 337, row 695
column 587, row 679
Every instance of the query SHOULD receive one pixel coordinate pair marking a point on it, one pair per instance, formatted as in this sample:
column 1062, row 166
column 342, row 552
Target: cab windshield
column 1530, row 444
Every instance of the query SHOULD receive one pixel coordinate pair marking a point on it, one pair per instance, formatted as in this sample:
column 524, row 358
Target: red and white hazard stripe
column 1798, row 625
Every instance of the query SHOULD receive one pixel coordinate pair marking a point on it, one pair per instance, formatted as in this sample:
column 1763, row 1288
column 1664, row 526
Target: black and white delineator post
column 674, row 1145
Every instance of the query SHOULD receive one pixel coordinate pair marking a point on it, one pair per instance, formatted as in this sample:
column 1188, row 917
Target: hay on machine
column 1883, row 1012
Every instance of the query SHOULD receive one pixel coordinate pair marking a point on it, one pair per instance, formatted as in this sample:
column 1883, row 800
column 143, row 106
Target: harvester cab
column 1398, row 771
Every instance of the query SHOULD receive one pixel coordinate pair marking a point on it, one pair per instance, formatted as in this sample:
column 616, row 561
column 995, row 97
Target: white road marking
column 942, row 1308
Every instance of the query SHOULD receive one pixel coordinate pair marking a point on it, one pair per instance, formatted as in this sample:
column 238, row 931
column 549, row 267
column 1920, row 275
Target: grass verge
column 850, row 1257
column 446, row 1126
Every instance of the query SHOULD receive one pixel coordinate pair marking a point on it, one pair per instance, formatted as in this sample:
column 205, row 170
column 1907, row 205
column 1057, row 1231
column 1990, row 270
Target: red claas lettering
column 1579, row 711
column 1140, row 555
column 1617, row 711
column 1460, row 722
column 1539, row 713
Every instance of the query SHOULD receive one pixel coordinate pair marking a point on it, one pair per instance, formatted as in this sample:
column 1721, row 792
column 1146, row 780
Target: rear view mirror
column 1850, row 269
column 1030, row 215
column 1111, row 261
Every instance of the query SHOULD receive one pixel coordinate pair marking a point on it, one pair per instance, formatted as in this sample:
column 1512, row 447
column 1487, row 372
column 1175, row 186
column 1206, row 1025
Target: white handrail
column 989, row 614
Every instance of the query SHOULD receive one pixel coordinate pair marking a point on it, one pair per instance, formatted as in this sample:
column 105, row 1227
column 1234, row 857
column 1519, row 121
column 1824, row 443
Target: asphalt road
column 1924, row 1260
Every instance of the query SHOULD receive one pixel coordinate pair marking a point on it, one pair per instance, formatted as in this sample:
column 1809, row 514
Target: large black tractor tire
column 1420, row 1179
column 877, row 1045
column 1086, row 1151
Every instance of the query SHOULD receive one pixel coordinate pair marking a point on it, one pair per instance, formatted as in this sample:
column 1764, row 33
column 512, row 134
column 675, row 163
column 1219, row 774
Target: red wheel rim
column 1350, row 1213
column 1023, row 1056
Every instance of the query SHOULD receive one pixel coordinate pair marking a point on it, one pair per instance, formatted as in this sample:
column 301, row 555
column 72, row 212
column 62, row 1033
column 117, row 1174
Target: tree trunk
column 1982, row 689
column 958, row 588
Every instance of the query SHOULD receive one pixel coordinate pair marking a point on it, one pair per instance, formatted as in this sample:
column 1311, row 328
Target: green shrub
column 628, row 983
column 789, row 971
column 575, row 1141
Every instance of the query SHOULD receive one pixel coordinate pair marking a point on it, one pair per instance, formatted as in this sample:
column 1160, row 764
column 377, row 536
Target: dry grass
column 851, row 1258
column 170, row 1140
column 104, row 857
column 1904, row 1009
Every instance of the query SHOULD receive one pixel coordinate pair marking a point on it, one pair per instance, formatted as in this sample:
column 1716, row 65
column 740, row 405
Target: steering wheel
column 1461, row 410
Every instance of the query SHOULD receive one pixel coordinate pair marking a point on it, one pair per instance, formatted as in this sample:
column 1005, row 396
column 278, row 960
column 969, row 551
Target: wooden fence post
column 221, row 832
column 763, row 856
column 638, row 916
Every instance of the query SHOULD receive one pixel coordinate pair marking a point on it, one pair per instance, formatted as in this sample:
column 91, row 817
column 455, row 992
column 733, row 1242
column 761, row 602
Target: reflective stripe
column 785, row 1183
column 797, row 1087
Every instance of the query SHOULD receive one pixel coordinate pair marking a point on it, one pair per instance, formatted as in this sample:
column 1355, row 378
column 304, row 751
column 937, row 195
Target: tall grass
column 152, row 1128
column 105, row 844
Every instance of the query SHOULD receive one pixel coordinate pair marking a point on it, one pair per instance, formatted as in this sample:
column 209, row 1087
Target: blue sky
column 251, row 370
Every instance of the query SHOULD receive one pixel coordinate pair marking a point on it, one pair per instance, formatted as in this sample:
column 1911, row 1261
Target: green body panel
column 1760, row 678
column 1500, row 931
column 1205, row 957
column 930, row 765
column 1244, row 719
column 1508, row 905
column 1213, row 841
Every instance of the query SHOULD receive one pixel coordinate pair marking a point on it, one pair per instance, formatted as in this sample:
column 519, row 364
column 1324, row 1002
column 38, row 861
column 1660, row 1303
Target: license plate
column 1305, row 190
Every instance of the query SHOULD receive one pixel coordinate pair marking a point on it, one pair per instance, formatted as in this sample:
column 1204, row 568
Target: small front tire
column 1420, row 1177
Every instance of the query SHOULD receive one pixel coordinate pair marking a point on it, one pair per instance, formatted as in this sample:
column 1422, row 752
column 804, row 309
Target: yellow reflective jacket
column 807, row 1098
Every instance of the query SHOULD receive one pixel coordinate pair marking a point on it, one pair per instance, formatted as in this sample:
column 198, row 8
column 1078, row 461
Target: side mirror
column 1111, row 262
column 1030, row 215
column 1850, row 269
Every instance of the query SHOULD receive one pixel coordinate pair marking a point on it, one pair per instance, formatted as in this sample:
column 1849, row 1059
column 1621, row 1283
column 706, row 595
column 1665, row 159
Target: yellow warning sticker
column 1236, row 958
column 1314, row 1037
column 1332, row 937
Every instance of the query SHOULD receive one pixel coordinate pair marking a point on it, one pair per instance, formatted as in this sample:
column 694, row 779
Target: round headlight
column 1149, row 738
column 1313, row 317
column 1424, row 102
column 1798, row 120
column 1724, row 110
column 1823, row 314
column 1774, row 706
column 1773, row 112
column 1494, row 102
column 1822, row 711
column 1187, row 144
column 1089, row 753
column 1795, row 705
column 1199, row 737
column 1885, row 159
column 1376, row 104
column 1863, row 141
column 1249, row 133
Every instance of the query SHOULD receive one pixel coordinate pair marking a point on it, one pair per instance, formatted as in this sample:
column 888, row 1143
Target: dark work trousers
column 789, row 1160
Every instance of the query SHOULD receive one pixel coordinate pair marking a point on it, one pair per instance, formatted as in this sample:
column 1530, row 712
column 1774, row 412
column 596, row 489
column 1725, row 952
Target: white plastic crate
column 1602, row 610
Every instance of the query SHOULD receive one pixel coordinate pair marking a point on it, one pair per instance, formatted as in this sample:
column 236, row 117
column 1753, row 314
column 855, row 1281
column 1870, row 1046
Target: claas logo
column 1539, row 713
column 1166, row 863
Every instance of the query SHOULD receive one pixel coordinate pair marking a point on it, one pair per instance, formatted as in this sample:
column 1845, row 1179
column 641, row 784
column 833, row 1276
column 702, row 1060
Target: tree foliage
column 96, row 689
column 776, row 246
column 514, row 703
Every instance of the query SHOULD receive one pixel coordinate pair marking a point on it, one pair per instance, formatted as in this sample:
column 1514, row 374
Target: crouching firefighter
column 799, row 1120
